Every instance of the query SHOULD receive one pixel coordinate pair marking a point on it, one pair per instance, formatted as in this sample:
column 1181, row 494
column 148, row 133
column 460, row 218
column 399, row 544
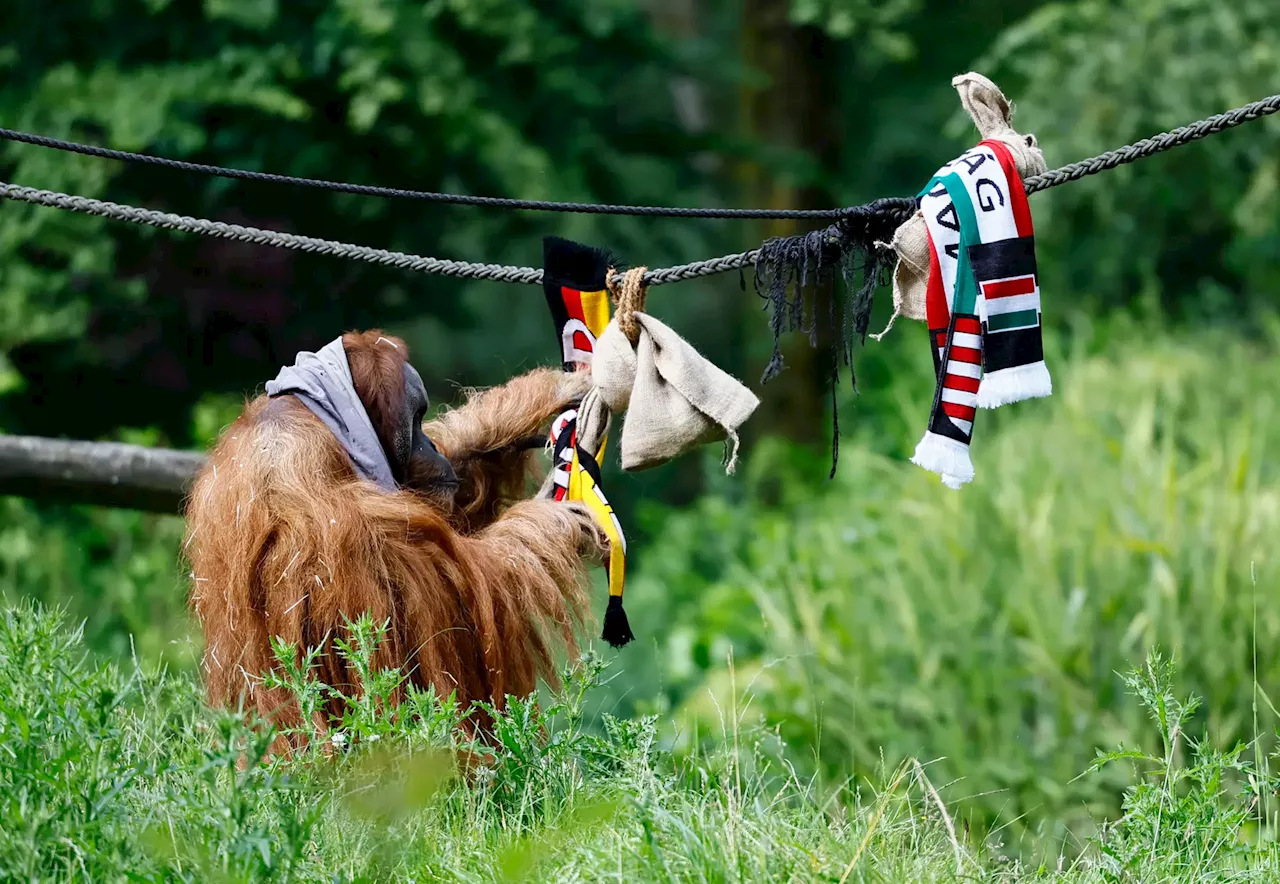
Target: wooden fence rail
column 98, row 473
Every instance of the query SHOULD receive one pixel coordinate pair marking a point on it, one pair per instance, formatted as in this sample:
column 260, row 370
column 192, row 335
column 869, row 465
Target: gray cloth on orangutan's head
column 322, row 382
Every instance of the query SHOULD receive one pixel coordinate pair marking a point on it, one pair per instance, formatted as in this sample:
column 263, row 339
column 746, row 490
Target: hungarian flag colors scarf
column 573, row 279
column 982, row 302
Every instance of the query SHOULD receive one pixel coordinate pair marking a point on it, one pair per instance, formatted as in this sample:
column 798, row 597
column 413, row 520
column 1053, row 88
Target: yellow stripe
column 581, row 487
column 617, row 569
column 595, row 311
column 576, row 476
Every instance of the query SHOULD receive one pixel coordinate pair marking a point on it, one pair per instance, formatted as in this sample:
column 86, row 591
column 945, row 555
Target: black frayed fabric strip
column 790, row 271
column 572, row 264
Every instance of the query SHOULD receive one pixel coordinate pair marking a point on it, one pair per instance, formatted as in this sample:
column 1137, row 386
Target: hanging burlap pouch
column 674, row 398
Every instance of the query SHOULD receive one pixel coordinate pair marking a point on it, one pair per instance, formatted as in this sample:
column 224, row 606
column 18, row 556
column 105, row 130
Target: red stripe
column 954, row 409
column 1018, row 192
column 964, row 354
column 937, row 312
column 962, row 383
column 573, row 303
column 969, row 325
column 1007, row 288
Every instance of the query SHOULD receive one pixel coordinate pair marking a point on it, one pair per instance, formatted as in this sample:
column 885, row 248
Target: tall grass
column 886, row 617
column 109, row 774
column 874, row 619
column 116, row 570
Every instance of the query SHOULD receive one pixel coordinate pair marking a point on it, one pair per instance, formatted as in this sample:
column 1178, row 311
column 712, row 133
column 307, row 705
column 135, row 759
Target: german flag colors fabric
column 584, row 485
column 982, row 302
column 573, row 280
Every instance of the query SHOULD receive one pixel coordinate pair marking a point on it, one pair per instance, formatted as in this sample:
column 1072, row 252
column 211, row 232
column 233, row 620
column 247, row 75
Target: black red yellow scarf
column 573, row 279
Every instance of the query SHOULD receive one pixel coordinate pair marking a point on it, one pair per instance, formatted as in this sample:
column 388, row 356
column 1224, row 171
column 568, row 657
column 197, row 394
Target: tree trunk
column 793, row 110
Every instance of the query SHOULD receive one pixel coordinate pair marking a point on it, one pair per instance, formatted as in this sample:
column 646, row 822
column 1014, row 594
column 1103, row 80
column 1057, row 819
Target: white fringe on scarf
column 939, row 454
column 1030, row 381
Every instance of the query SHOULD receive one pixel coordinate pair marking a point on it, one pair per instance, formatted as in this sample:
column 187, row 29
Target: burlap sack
column 594, row 420
column 991, row 113
column 674, row 398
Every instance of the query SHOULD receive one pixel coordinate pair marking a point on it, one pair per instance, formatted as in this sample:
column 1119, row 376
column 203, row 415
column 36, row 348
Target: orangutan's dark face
column 416, row 462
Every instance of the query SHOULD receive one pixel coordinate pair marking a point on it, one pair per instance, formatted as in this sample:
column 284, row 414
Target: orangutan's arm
column 562, row 539
column 520, row 588
column 491, row 439
column 513, row 416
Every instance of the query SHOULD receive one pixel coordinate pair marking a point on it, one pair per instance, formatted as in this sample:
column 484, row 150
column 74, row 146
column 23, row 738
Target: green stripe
column 1016, row 319
column 966, row 293
column 933, row 182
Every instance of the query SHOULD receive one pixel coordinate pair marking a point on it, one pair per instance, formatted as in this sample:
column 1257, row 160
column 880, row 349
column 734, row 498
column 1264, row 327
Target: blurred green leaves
column 1089, row 76
column 504, row 97
column 880, row 28
column 388, row 786
column 115, row 570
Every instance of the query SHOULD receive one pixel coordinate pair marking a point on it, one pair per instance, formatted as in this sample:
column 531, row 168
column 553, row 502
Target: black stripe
column 1004, row 258
column 562, row 441
column 1007, row 349
column 559, row 316
column 942, row 425
column 937, row 343
column 589, row 465
column 551, row 256
column 939, row 422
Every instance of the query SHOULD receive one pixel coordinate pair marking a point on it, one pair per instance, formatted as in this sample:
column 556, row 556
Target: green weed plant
column 109, row 774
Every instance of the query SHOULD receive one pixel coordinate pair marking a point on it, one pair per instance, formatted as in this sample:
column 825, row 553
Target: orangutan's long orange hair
column 285, row 540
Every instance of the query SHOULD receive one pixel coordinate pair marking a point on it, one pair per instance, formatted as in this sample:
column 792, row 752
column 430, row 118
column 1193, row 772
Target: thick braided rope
column 456, row 199
column 888, row 211
column 417, row 263
column 1157, row 143
column 312, row 245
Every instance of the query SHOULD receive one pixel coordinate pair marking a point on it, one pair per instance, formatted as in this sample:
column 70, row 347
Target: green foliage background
column 864, row 620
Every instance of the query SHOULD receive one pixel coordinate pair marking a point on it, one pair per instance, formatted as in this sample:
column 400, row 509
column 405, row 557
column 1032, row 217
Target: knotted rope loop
column 629, row 297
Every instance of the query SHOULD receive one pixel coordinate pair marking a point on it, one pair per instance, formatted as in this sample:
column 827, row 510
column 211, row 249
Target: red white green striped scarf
column 982, row 302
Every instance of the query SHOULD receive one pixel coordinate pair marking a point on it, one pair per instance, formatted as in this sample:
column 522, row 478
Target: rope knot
column 629, row 297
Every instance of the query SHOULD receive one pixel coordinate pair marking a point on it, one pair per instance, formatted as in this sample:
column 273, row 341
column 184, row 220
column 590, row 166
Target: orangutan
column 328, row 497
